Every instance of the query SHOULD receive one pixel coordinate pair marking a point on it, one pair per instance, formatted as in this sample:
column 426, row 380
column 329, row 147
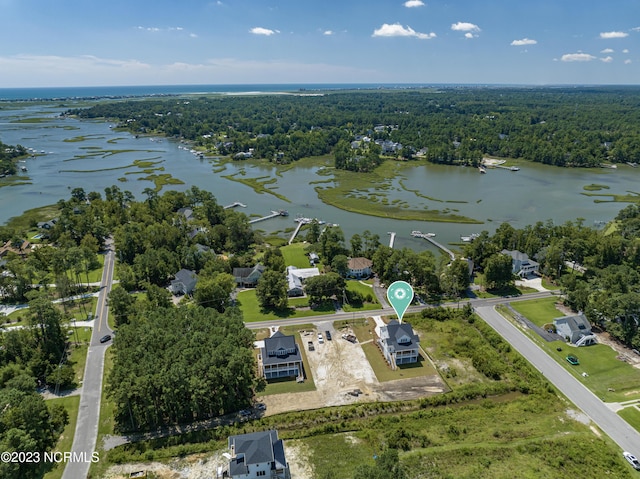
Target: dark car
column 105, row 338
column 328, row 335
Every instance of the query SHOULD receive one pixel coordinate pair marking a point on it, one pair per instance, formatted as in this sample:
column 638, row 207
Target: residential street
column 84, row 440
column 613, row 425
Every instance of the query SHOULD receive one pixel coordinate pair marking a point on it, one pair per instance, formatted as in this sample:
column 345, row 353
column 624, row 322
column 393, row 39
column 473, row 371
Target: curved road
column 613, row 425
column 86, row 435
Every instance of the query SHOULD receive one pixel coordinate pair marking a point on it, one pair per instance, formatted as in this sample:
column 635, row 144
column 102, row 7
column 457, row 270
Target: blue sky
column 143, row 42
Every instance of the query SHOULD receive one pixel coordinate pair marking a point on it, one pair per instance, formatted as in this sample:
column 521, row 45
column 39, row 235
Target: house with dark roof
column 576, row 329
column 248, row 277
column 359, row 268
column 520, row 263
column 186, row 212
column 281, row 357
column 399, row 343
column 184, row 282
column 257, row 455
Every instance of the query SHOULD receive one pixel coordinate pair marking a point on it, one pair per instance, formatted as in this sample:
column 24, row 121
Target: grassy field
column 384, row 373
column 631, row 414
column 364, row 290
column 539, row 311
column 72, row 405
column 294, row 255
column 248, row 303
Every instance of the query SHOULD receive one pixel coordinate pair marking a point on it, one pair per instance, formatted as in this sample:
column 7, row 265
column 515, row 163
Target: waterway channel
column 70, row 151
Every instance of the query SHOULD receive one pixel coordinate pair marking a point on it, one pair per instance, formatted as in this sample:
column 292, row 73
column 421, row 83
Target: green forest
column 8, row 158
column 577, row 127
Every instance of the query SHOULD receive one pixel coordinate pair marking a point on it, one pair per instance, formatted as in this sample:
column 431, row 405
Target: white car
column 632, row 460
column 320, row 338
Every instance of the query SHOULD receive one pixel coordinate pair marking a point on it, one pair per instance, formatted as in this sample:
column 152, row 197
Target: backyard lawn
column 294, row 255
column 538, row 311
column 366, row 291
column 248, row 304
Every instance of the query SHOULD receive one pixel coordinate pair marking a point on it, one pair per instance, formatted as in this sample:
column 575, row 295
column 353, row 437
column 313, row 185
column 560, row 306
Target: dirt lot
column 339, row 367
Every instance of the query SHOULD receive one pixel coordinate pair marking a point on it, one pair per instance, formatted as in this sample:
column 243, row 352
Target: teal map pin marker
column 400, row 295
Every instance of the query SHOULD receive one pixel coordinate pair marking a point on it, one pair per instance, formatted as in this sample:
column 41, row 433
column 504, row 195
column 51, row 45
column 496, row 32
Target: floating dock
column 392, row 239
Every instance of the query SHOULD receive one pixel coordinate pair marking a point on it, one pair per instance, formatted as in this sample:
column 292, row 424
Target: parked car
column 245, row 413
column 105, row 338
column 261, row 406
column 631, row 459
column 328, row 335
column 311, row 347
column 571, row 359
column 320, row 339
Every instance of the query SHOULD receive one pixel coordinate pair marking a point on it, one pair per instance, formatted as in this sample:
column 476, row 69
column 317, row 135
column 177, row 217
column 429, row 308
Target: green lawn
column 631, row 414
column 248, row 303
column 365, row 290
column 294, row 255
column 384, row 372
column 538, row 311
column 106, row 422
column 71, row 404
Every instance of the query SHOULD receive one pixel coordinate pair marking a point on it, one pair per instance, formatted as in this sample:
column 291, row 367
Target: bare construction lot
column 340, row 369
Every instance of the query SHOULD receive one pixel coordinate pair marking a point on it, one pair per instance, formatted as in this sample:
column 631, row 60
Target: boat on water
column 482, row 169
column 468, row 239
column 23, row 168
column 514, row 168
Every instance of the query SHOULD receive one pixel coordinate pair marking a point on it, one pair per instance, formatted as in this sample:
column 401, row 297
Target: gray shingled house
column 184, row 282
column 281, row 357
column 257, row 455
column 399, row 343
column 576, row 329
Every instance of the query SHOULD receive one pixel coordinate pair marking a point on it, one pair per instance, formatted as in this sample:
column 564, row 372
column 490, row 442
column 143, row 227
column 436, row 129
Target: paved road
column 476, row 302
column 613, row 425
column 86, row 435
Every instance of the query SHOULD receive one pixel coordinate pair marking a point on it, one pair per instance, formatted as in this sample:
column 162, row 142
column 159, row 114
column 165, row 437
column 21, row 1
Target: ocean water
column 54, row 93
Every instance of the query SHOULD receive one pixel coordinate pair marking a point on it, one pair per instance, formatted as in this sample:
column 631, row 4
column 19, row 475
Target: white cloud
column 607, row 59
column 193, row 35
column 469, row 35
column 328, row 32
column 413, row 3
column 607, row 50
column 627, row 61
column 608, row 35
column 636, row 29
column 524, row 41
column 626, row 50
column 465, row 27
column 577, row 57
column 263, row 31
column 397, row 30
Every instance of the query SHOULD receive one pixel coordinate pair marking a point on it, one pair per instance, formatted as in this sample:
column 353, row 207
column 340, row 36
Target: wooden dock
column 268, row 217
column 429, row 238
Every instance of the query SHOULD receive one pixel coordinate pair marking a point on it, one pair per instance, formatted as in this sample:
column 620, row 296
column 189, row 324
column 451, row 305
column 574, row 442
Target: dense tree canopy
column 179, row 365
column 559, row 126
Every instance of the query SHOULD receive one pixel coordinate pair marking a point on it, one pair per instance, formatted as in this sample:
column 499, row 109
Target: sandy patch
column 198, row 466
column 578, row 416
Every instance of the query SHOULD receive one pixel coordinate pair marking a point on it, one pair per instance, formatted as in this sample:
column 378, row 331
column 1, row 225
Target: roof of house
column 246, row 272
column 281, row 344
column 359, row 263
column 576, row 323
column 256, row 448
column 519, row 256
column 394, row 334
column 187, row 277
column 303, row 273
